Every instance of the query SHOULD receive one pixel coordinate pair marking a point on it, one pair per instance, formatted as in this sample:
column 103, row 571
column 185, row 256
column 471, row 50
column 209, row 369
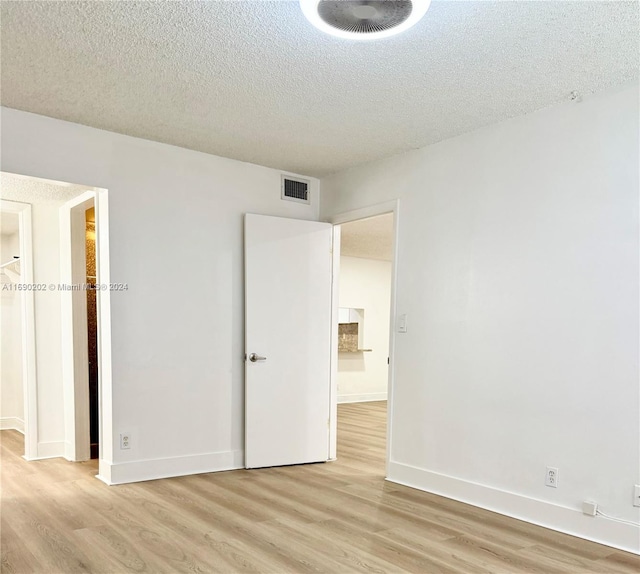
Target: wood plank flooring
column 336, row 517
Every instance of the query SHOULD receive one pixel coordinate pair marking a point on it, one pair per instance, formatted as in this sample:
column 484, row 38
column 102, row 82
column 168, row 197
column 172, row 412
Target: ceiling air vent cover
column 295, row 189
column 364, row 16
column 364, row 19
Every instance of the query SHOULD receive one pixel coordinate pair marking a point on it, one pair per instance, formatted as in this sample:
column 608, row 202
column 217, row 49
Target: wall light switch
column 402, row 323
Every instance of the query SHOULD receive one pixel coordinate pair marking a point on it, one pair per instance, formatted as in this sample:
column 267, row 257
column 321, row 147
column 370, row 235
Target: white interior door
column 288, row 340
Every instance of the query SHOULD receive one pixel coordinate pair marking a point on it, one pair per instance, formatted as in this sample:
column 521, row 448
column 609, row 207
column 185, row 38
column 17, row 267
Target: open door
column 288, row 340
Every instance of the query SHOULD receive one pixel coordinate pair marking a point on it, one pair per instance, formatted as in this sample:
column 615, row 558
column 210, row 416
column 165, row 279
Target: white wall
column 366, row 284
column 176, row 240
column 518, row 271
column 11, row 389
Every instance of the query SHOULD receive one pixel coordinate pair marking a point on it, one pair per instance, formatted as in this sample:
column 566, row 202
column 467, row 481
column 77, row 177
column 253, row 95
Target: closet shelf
column 11, row 269
column 12, row 262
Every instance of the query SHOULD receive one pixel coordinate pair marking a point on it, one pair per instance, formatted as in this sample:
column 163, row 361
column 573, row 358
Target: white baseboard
column 152, row 469
column 563, row 519
column 52, row 449
column 69, row 452
column 12, row 423
column 363, row 398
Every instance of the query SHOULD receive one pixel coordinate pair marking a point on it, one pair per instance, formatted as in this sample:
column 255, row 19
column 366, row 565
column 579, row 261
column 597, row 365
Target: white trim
column 153, row 469
column 333, row 373
column 392, row 206
column 363, row 398
column 560, row 518
column 75, row 359
column 53, row 449
column 76, row 407
column 12, row 423
column 79, row 200
column 29, row 373
column 366, row 212
column 104, row 471
column 103, row 272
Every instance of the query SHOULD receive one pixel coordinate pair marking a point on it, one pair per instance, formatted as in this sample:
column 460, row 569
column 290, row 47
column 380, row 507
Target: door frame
column 74, row 331
column 393, row 207
column 29, row 387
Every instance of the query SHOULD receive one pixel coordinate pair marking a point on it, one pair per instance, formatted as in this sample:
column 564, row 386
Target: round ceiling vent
column 364, row 19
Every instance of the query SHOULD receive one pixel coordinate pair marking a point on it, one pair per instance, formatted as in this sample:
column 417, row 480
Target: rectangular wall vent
column 295, row 189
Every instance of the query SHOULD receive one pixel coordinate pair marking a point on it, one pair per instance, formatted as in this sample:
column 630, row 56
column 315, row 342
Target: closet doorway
column 83, row 328
column 92, row 330
column 59, row 263
column 17, row 323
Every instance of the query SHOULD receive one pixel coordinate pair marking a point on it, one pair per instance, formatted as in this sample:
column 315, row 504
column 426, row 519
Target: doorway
column 363, row 334
column 12, row 322
column 364, row 314
column 92, row 329
column 65, row 332
column 17, row 379
column 292, row 311
column 83, row 340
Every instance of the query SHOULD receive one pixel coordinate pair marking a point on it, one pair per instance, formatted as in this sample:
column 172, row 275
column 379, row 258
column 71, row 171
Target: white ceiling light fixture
column 364, row 19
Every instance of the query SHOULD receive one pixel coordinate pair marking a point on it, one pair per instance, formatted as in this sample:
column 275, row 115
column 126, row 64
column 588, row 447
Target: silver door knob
column 255, row 358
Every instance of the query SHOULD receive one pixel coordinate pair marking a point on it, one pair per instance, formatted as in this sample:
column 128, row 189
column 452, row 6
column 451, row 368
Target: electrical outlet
column 636, row 495
column 551, row 478
column 125, row 441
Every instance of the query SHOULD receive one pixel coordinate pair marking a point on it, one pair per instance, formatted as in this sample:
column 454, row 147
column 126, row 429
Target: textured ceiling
column 255, row 81
column 34, row 190
column 369, row 238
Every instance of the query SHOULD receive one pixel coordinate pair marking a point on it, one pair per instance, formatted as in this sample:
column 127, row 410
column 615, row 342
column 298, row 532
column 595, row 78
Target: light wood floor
column 335, row 517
